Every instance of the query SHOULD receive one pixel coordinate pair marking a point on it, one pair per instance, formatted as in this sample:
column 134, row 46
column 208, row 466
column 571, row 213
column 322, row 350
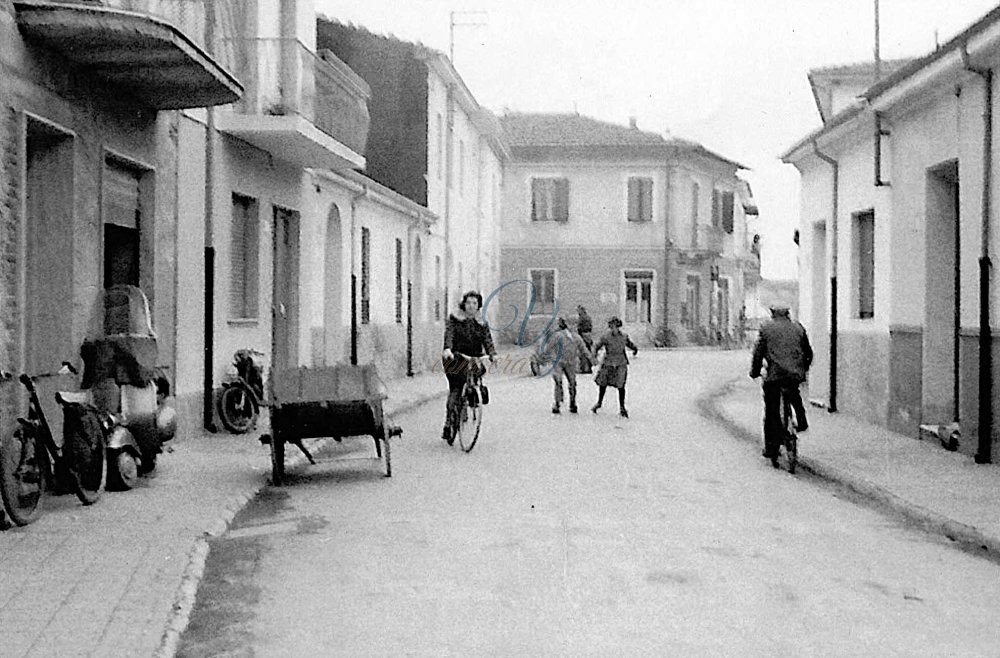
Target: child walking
column 614, row 370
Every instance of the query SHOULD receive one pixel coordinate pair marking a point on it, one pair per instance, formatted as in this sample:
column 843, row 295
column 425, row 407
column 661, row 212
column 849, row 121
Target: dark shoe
column 572, row 408
column 774, row 462
column 802, row 427
column 448, row 435
column 595, row 407
column 623, row 412
column 555, row 409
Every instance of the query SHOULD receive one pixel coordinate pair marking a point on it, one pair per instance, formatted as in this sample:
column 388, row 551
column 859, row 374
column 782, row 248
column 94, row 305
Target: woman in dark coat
column 464, row 333
column 614, row 370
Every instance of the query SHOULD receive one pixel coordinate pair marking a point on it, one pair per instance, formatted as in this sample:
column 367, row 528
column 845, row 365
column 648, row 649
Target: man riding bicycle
column 463, row 334
column 784, row 345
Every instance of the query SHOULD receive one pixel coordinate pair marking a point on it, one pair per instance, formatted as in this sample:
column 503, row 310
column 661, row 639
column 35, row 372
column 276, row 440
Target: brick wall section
column 9, row 231
column 583, row 276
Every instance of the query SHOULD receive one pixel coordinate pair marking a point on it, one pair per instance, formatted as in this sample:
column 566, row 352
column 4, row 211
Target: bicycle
column 467, row 418
column 31, row 460
column 789, row 434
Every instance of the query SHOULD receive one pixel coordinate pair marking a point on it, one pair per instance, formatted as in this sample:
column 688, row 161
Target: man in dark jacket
column 784, row 345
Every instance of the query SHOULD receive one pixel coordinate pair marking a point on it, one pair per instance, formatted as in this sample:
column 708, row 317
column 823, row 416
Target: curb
column 967, row 536
column 187, row 592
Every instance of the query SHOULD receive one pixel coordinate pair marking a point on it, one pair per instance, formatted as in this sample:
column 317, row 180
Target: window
column 692, row 300
column 864, row 237
column 399, row 281
column 244, row 258
column 545, row 292
column 639, row 296
column 440, row 145
column 695, row 194
column 437, row 288
column 123, row 213
column 722, row 210
column 640, row 199
column 366, row 273
column 549, row 200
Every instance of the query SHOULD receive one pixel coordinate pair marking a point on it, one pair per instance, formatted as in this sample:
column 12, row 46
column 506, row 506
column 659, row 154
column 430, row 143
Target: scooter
column 242, row 391
column 122, row 381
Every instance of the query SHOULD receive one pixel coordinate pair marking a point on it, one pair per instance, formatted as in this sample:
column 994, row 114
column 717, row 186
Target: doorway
column 284, row 309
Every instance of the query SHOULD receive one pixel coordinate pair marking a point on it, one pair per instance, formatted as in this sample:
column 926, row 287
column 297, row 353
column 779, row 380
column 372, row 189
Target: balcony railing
column 282, row 77
column 186, row 15
column 706, row 238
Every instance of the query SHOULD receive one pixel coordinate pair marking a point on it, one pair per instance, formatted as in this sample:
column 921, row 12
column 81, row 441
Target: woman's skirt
column 611, row 376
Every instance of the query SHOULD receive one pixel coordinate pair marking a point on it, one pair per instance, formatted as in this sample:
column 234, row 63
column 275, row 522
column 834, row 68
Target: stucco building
column 897, row 230
column 626, row 223
column 431, row 142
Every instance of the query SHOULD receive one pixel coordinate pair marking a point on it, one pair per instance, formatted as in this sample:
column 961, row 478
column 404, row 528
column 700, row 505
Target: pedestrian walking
column 614, row 369
column 585, row 328
column 570, row 350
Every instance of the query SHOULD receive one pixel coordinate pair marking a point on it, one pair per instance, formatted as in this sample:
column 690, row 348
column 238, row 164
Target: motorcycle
column 242, row 391
column 122, row 381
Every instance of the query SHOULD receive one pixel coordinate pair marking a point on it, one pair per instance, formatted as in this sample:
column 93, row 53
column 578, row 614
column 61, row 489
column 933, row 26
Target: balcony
column 706, row 241
column 303, row 108
column 153, row 49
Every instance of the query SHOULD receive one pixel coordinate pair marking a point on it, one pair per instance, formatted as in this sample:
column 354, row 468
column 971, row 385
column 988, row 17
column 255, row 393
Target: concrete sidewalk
column 946, row 492
column 119, row 578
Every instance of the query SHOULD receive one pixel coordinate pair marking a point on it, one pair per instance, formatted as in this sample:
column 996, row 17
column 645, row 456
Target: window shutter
column 537, row 201
column 561, row 202
column 647, row 200
column 633, row 200
column 727, row 212
column 715, row 208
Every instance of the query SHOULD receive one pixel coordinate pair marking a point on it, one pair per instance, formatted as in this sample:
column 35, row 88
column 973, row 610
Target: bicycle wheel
column 791, row 437
column 84, row 453
column 470, row 419
column 23, row 473
column 237, row 409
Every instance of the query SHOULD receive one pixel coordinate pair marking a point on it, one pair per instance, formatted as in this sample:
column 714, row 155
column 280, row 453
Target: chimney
column 631, row 123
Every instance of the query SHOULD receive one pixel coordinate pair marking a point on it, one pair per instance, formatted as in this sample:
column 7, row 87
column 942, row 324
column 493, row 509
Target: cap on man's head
column 779, row 309
column 614, row 322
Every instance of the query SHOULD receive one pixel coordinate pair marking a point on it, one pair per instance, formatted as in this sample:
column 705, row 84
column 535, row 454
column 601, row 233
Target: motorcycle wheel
column 238, row 409
column 123, row 469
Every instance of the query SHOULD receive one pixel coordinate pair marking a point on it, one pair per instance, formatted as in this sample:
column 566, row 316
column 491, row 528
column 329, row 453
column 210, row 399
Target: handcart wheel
column 277, row 460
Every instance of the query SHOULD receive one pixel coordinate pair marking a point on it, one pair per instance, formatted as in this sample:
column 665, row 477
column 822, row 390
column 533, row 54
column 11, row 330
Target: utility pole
column 878, row 58
column 473, row 19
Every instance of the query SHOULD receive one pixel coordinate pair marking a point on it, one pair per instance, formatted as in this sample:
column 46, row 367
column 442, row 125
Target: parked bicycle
column 31, row 460
column 467, row 416
column 242, row 392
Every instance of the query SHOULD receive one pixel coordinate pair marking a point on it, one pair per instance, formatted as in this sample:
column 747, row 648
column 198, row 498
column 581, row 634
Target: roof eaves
column 840, row 119
column 916, row 65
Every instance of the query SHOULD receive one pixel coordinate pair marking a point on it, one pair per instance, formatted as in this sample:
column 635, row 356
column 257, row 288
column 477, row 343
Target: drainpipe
column 667, row 244
column 448, row 156
column 354, row 277
column 832, row 406
column 208, row 392
column 984, row 455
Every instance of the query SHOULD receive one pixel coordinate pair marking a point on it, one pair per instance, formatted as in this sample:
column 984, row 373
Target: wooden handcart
column 331, row 401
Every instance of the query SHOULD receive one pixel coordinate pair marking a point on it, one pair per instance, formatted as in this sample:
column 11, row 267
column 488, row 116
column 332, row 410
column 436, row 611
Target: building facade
column 625, row 223
column 432, row 143
column 896, row 278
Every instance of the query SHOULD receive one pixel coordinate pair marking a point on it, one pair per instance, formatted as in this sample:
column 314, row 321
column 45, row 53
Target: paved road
column 564, row 535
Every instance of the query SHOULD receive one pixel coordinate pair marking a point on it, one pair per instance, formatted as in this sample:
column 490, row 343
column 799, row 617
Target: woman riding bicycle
column 465, row 334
